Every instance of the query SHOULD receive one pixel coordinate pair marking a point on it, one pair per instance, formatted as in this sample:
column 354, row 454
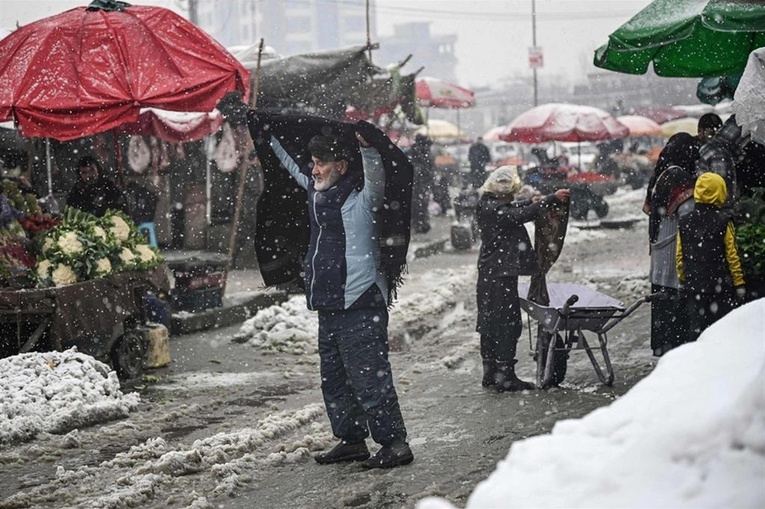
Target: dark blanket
column 549, row 236
column 283, row 228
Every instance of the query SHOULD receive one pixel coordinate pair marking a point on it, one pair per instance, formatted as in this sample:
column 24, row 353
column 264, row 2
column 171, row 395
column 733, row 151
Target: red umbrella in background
column 92, row 69
column 563, row 122
column 640, row 126
column 659, row 114
column 436, row 93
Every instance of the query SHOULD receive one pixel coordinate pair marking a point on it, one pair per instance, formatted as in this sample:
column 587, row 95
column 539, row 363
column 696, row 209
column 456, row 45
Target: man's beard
column 328, row 182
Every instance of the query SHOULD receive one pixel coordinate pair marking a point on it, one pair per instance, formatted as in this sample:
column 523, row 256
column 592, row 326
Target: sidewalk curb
column 225, row 316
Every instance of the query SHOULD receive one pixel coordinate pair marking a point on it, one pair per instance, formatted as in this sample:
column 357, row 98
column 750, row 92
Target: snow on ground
column 291, row 328
column 55, row 392
column 288, row 327
column 691, row 434
column 231, row 460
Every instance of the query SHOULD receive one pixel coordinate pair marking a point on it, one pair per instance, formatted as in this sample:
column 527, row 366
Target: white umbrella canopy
column 749, row 99
column 495, row 133
column 681, row 125
column 441, row 129
column 640, row 126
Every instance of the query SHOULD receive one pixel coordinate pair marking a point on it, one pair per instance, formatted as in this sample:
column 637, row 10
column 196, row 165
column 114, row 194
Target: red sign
column 536, row 57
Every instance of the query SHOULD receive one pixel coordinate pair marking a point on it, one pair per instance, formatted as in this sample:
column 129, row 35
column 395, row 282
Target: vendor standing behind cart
column 506, row 253
column 93, row 192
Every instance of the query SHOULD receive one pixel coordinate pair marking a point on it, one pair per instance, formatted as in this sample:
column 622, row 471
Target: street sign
column 536, row 57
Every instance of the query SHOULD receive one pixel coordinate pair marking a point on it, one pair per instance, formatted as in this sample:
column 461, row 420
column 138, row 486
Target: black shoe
column 390, row 456
column 508, row 381
column 343, row 452
column 489, row 373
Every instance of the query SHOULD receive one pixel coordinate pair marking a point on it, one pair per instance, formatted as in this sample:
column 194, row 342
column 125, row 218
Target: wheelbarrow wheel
column 128, row 354
column 601, row 209
column 579, row 207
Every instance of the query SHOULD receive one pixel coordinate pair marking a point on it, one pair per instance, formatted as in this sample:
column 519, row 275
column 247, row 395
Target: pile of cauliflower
column 86, row 247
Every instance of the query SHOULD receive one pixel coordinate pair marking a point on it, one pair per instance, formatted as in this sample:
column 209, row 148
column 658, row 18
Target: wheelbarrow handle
column 627, row 312
column 657, row 296
column 570, row 302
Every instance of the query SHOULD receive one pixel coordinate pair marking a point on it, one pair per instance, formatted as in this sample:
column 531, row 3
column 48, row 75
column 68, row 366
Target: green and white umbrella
column 687, row 38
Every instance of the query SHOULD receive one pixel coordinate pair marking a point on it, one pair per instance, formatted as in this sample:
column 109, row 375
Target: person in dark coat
column 670, row 186
column 506, row 253
column 93, row 192
column 707, row 258
column 673, row 197
column 478, row 156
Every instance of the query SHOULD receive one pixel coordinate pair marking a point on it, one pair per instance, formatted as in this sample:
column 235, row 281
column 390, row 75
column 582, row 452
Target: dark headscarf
column 681, row 151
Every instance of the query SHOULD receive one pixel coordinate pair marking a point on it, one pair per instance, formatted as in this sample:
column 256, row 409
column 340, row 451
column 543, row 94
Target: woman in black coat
column 506, row 253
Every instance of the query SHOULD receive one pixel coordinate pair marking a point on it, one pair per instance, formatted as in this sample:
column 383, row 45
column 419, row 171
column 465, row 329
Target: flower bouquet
column 84, row 247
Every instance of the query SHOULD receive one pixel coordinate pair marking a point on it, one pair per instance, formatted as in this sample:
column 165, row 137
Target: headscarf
column 681, row 150
column 503, row 180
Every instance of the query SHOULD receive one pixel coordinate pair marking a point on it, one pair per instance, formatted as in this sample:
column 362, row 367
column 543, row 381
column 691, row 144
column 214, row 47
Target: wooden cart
column 100, row 317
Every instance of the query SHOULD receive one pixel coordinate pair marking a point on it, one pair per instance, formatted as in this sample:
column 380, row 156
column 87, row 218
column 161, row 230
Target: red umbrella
column 563, row 122
column 437, row 93
column 640, row 126
column 659, row 114
column 89, row 70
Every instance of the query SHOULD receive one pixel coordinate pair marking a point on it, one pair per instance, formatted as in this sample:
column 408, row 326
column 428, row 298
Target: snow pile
column 692, row 434
column 55, row 392
column 229, row 460
column 443, row 289
column 284, row 328
column 291, row 328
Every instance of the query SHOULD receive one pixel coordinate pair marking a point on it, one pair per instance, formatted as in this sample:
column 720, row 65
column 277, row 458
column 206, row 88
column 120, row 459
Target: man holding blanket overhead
column 353, row 241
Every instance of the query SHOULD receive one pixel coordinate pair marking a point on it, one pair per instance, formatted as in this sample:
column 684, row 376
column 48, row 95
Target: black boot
column 343, row 452
column 489, row 373
column 389, row 456
column 507, row 381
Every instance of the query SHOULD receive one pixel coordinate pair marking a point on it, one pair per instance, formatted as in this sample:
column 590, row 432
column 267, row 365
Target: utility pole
column 369, row 35
column 193, row 15
column 534, row 45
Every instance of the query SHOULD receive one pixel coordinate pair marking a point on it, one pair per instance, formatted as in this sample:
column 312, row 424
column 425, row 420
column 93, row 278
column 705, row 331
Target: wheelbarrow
column 573, row 309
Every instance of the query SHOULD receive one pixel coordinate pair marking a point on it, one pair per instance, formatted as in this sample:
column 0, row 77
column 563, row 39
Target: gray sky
column 493, row 36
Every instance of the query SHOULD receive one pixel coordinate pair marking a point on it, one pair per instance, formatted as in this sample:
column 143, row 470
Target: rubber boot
column 507, row 381
column 489, row 373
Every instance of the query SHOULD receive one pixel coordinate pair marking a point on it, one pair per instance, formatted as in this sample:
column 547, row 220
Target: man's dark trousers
column 356, row 378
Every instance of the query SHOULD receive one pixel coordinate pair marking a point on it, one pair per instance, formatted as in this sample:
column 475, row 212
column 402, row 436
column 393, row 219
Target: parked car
column 581, row 154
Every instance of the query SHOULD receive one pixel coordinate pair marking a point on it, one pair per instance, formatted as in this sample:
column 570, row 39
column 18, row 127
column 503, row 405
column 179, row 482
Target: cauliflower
column 120, row 229
column 43, row 269
column 47, row 244
column 69, row 243
column 127, row 256
column 63, row 275
column 145, row 252
column 103, row 266
column 99, row 232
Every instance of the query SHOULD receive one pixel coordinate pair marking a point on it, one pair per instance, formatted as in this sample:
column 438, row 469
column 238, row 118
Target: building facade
column 289, row 26
column 433, row 52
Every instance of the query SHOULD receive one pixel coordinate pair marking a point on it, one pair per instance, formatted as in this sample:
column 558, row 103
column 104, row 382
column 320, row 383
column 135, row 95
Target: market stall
column 75, row 280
